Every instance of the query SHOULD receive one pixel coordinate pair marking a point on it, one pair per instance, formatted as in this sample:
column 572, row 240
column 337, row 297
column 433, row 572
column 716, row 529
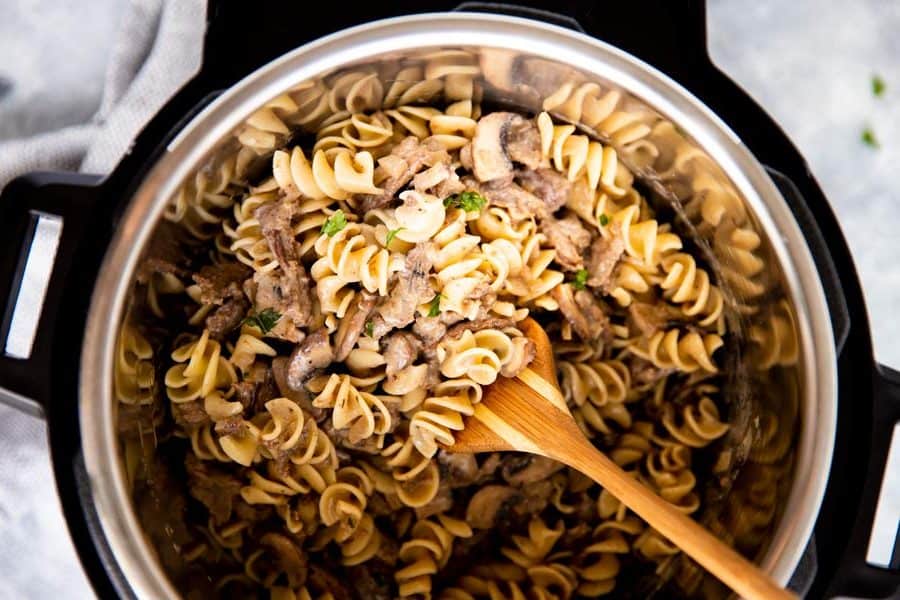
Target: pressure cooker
column 71, row 245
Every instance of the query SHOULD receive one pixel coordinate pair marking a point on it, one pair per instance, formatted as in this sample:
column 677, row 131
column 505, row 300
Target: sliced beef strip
column 549, row 185
column 276, row 224
column 230, row 425
column 398, row 168
column 465, row 157
column 258, row 387
column 604, row 255
column 648, row 318
column 523, row 143
column 288, row 295
column 502, row 139
column 570, row 239
column 440, row 180
column 521, row 204
column 214, row 487
column 227, row 317
column 164, row 254
column 582, row 311
column 448, row 187
column 643, row 372
column 313, row 353
column 221, row 282
column 457, row 330
column 352, row 325
column 287, row 291
column 400, row 350
column 189, row 415
column 410, row 289
column 429, row 329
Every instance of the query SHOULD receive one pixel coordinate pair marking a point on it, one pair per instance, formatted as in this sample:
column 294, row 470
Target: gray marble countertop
column 808, row 62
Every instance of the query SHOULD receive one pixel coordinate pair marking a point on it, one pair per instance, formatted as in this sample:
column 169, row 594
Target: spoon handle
column 731, row 568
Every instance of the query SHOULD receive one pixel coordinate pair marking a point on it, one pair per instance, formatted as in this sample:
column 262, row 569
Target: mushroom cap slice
column 502, row 139
column 489, row 503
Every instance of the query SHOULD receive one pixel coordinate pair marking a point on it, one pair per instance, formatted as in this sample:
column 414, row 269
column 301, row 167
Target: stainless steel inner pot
column 781, row 361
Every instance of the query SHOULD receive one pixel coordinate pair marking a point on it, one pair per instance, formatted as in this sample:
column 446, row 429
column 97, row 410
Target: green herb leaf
column 604, row 220
column 335, row 223
column 391, row 234
column 468, row 201
column 264, row 321
column 878, row 86
column 370, row 328
column 580, row 279
column 434, row 307
column 869, row 139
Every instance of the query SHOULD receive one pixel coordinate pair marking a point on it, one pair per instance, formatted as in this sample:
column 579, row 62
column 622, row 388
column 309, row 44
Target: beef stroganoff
column 343, row 320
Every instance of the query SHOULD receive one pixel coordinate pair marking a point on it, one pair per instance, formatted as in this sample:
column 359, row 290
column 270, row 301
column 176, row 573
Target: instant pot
column 809, row 302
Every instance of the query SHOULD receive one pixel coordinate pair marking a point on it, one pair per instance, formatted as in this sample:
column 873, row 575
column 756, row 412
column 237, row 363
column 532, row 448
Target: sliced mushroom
column 314, row 352
column 457, row 469
column 519, row 470
column 501, row 139
column 288, row 557
column 491, row 504
column 301, row 396
column 352, row 325
column 325, row 582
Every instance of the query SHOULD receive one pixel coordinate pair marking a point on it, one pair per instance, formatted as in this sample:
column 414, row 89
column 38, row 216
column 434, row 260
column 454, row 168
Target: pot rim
column 107, row 481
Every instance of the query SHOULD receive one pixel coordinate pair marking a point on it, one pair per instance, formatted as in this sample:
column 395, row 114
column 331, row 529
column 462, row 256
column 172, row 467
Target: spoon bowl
column 528, row 413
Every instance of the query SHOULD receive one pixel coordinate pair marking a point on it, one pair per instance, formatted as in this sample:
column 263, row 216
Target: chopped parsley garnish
column 264, row 321
column 391, row 234
column 370, row 328
column 868, row 138
column 604, row 220
column 434, row 307
column 335, row 223
column 468, row 201
column 581, row 276
column 878, row 86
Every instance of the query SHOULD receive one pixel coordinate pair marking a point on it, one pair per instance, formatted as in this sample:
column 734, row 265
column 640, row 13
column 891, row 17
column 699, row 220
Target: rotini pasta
column 345, row 303
column 426, row 552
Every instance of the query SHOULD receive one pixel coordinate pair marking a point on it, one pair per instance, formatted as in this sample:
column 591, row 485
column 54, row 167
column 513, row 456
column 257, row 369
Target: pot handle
column 42, row 217
column 856, row 577
column 671, row 36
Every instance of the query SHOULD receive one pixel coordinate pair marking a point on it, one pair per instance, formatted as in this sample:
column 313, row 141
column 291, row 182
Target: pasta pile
column 341, row 315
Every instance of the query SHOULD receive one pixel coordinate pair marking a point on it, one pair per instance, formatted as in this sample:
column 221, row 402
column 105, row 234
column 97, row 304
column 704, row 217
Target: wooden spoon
column 529, row 414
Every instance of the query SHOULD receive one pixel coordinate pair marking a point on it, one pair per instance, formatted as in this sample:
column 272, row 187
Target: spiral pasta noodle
column 402, row 246
column 199, row 370
column 363, row 413
column 442, row 414
column 426, row 552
